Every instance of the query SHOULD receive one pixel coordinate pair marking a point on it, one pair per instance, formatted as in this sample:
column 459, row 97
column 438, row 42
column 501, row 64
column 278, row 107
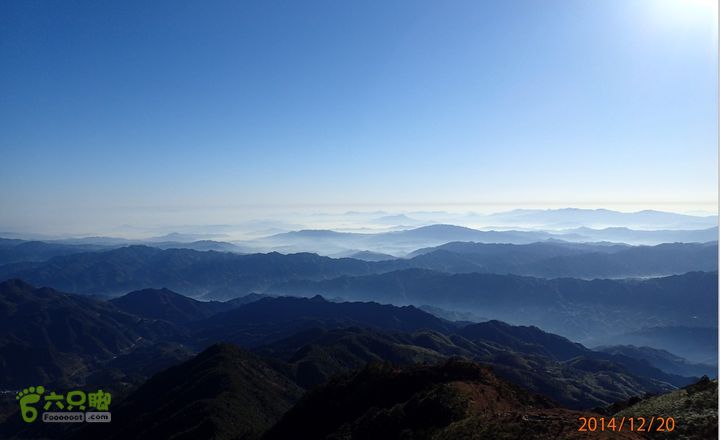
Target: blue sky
column 111, row 112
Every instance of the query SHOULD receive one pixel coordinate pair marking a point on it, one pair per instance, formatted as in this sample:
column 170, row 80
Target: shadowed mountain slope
column 52, row 337
column 223, row 393
column 167, row 305
column 270, row 319
column 454, row 400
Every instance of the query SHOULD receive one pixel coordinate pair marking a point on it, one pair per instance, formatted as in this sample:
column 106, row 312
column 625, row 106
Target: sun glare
column 692, row 13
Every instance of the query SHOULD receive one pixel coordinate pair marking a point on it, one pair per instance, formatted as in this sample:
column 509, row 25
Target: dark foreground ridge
column 223, row 393
column 457, row 399
column 227, row 393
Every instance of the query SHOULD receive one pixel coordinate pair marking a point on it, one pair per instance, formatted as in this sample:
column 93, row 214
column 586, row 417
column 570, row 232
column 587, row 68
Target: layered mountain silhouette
column 269, row 319
column 663, row 360
column 572, row 225
column 698, row 344
column 222, row 275
column 52, row 337
column 17, row 251
column 558, row 259
column 315, row 337
column 217, row 275
column 572, row 307
column 395, row 242
column 302, row 345
column 585, row 380
column 329, row 242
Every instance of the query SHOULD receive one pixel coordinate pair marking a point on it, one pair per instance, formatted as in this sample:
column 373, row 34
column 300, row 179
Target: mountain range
column 217, row 275
column 578, row 308
column 300, row 344
column 561, row 259
column 453, row 280
column 662, row 359
column 400, row 243
column 223, row 275
column 436, row 332
column 282, row 328
column 48, row 336
column 696, row 343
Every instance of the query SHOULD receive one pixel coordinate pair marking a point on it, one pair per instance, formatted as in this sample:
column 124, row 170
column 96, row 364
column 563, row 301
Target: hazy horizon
column 236, row 226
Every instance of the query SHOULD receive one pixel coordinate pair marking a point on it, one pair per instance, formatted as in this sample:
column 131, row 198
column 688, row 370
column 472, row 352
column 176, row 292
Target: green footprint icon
column 28, row 397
